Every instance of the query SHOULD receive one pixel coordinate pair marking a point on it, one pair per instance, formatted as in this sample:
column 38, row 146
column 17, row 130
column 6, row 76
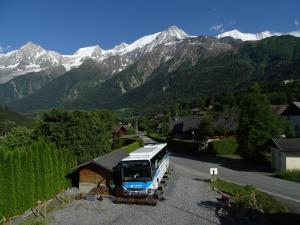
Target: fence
column 40, row 208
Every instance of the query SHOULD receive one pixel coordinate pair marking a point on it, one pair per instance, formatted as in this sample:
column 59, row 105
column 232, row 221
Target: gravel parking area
column 189, row 200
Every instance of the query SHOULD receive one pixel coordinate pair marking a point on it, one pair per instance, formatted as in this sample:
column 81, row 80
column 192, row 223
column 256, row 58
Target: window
column 157, row 159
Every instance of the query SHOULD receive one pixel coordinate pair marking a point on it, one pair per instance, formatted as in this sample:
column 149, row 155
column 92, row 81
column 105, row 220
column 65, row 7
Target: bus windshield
column 137, row 170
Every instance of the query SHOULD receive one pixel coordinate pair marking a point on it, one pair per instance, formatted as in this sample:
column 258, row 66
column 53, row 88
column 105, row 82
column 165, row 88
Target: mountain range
column 156, row 68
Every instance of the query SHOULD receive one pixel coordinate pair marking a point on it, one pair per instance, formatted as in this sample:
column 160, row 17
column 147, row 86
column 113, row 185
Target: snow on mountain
column 32, row 58
column 236, row 34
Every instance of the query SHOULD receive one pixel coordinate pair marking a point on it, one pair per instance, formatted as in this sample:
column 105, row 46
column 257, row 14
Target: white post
column 213, row 172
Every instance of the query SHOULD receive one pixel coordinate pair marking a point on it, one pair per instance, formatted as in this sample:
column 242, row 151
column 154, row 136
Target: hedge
column 122, row 142
column 226, row 146
column 36, row 172
column 183, row 146
column 157, row 138
column 127, row 144
column 293, row 175
column 131, row 147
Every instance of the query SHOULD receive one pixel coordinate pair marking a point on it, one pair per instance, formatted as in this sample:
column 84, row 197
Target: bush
column 244, row 195
column 183, row 146
column 119, row 143
column 226, row 146
column 293, row 175
column 157, row 137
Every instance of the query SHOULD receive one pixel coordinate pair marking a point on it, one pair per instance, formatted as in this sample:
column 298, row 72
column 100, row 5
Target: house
column 188, row 127
column 285, row 153
column 184, row 127
column 292, row 113
column 119, row 131
column 101, row 171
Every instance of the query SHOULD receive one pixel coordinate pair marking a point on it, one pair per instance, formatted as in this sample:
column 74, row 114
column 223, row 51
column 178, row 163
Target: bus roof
column 145, row 153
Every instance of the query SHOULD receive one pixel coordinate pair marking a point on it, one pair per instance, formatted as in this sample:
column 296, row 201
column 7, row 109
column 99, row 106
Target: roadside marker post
column 213, row 173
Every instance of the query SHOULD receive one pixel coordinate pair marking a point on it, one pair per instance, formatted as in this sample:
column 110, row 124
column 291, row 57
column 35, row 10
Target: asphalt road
column 263, row 181
column 189, row 200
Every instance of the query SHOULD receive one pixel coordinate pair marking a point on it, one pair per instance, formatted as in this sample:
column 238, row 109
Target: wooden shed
column 101, row 171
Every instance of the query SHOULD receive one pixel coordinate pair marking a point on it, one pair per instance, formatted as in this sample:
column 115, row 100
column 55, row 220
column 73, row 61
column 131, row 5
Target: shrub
column 119, row 143
column 226, row 146
column 293, row 175
column 248, row 196
column 157, row 137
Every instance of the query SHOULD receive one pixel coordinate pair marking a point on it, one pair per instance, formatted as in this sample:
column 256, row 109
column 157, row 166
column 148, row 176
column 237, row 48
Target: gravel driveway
column 189, row 200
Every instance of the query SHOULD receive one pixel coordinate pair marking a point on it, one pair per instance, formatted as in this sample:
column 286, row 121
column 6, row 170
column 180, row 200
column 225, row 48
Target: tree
column 257, row 124
column 86, row 133
column 226, row 119
column 18, row 137
column 206, row 128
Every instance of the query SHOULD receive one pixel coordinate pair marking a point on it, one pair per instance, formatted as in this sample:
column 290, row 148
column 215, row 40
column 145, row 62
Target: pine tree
column 257, row 124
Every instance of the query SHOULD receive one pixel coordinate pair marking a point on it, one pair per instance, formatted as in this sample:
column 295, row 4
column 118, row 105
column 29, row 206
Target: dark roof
column 279, row 109
column 297, row 104
column 287, row 144
column 185, row 124
column 108, row 161
column 292, row 109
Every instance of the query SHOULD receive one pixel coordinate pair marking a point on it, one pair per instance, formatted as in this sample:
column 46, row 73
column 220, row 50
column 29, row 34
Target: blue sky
column 65, row 25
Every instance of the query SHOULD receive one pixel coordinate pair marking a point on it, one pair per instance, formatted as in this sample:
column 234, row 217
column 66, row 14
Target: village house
column 119, row 131
column 187, row 127
column 184, row 127
column 292, row 113
column 98, row 172
column 285, row 153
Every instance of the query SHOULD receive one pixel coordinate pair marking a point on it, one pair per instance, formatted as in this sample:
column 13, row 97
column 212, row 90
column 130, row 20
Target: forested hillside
column 269, row 61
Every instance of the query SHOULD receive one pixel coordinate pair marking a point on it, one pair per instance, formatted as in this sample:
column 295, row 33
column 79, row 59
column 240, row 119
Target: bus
column 143, row 170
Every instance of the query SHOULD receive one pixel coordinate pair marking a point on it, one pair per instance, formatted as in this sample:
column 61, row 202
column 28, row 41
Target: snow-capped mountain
column 33, row 58
column 236, row 34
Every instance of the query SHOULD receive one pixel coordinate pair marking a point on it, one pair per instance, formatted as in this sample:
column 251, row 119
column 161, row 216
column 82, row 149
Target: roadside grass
column 244, row 196
column 227, row 146
column 292, row 175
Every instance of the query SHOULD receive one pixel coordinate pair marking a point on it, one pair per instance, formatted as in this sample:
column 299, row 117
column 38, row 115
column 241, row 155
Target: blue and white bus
column 143, row 170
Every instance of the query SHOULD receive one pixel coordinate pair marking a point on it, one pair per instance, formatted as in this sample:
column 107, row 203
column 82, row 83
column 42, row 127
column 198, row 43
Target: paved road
column 282, row 188
column 189, row 201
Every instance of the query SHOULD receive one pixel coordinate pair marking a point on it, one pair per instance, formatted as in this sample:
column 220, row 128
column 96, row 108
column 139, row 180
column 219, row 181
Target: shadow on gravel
column 237, row 164
column 202, row 180
column 208, row 205
column 190, row 213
